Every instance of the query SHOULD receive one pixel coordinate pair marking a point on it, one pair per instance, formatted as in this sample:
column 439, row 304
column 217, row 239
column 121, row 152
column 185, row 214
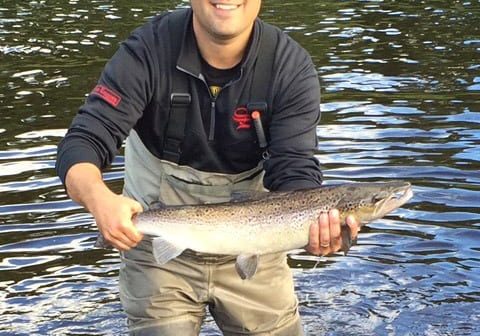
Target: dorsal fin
column 247, row 195
column 157, row 205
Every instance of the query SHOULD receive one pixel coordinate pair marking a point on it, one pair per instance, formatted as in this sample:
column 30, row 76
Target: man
column 182, row 88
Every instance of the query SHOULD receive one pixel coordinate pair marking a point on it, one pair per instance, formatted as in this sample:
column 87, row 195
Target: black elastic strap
column 262, row 75
column 180, row 98
column 175, row 132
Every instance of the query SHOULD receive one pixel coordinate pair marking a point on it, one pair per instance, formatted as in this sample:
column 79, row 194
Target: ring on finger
column 325, row 245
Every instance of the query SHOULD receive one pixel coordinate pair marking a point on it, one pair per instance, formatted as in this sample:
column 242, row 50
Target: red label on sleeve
column 108, row 95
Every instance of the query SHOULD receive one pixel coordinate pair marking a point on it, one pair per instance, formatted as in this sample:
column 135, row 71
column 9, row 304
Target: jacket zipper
column 211, row 131
column 213, row 100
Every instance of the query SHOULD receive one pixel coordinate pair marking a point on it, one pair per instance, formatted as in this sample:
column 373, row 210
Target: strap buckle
column 180, row 99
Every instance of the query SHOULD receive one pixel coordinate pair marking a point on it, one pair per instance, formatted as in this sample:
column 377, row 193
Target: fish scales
column 283, row 217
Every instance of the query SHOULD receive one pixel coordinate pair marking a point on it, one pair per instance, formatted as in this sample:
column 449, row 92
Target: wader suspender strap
column 262, row 74
column 180, row 98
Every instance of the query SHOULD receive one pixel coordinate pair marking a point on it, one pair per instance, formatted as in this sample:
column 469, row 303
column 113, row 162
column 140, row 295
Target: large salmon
column 264, row 223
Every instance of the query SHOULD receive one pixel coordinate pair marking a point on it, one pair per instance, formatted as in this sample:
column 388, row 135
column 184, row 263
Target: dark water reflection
column 401, row 84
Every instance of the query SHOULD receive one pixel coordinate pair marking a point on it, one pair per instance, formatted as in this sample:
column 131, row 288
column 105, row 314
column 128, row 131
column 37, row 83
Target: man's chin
column 226, row 33
column 224, row 36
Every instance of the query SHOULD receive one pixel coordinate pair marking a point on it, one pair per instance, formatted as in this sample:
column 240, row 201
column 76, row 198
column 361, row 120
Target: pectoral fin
column 246, row 265
column 164, row 251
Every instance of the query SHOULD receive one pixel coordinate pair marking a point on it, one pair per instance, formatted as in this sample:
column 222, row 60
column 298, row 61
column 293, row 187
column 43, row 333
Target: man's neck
column 221, row 53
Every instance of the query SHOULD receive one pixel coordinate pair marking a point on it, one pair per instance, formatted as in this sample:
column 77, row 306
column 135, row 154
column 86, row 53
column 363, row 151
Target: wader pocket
column 149, row 179
column 179, row 191
column 184, row 185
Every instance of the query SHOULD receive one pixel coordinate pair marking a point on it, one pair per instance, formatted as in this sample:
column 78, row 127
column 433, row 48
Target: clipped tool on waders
column 257, row 123
column 255, row 112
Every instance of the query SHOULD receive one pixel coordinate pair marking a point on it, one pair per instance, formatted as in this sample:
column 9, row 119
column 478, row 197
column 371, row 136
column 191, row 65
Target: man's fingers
column 335, row 230
column 324, row 227
column 114, row 221
column 132, row 232
column 325, row 237
column 119, row 245
column 123, row 236
column 129, row 235
column 125, row 233
column 136, row 207
column 116, row 240
column 313, row 239
column 133, row 235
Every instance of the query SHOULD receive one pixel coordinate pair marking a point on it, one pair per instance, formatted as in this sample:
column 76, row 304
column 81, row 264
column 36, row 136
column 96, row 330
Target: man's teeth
column 225, row 6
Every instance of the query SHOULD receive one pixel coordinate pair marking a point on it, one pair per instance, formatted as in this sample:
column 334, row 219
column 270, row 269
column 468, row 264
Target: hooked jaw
column 398, row 197
column 389, row 199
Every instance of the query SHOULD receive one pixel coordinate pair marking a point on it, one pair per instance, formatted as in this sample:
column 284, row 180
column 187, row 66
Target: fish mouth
column 398, row 196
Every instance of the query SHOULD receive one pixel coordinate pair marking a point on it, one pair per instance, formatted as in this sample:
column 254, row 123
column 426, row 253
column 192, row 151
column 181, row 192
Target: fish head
column 370, row 201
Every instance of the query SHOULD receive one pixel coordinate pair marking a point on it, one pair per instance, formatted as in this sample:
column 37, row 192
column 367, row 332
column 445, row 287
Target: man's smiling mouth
column 226, row 6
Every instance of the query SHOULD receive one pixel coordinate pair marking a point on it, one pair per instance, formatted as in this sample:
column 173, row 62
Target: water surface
column 400, row 91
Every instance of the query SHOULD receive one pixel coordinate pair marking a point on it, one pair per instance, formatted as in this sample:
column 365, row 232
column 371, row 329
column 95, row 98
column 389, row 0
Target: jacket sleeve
column 111, row 109
column 296, row 114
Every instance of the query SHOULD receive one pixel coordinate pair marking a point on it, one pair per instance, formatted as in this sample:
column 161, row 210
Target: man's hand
column 325, row 236
column 113, row 213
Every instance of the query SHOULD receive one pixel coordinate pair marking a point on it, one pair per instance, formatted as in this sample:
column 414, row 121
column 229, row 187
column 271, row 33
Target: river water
column 400, row 91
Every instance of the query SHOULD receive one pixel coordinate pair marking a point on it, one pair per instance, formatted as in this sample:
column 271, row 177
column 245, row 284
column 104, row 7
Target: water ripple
column 400, row 84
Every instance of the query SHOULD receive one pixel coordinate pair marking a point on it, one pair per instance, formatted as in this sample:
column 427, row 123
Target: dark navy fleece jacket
column 134, row 92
